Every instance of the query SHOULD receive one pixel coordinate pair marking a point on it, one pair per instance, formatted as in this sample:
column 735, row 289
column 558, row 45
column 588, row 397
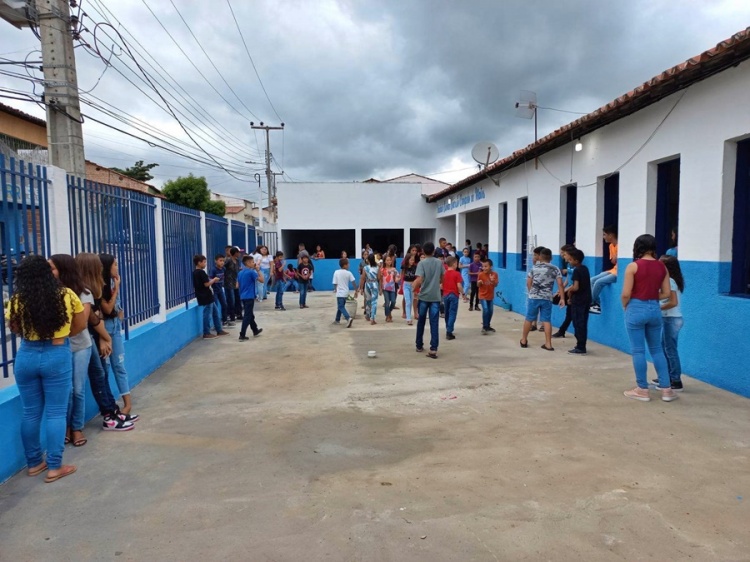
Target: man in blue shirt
column 247, row 278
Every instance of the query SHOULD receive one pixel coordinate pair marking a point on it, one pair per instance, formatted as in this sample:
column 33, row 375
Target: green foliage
column 192, row 192
column 139, row 171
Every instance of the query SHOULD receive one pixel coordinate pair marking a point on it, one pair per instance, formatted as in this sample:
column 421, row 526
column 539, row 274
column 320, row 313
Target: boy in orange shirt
column 452, row 288
column 487, row 281
column 598, row 282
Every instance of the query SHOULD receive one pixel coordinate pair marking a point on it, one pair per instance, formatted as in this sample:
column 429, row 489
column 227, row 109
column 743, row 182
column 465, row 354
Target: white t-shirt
column 342, row 278
column 677, row 310
column 257, row 257
column 82, row 340
column 265, row 261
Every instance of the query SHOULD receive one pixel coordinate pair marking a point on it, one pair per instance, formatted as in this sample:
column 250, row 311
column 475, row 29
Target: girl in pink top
column 646, row 281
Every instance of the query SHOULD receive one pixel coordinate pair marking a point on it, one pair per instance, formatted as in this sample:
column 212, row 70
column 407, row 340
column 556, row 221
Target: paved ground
column 296, row 446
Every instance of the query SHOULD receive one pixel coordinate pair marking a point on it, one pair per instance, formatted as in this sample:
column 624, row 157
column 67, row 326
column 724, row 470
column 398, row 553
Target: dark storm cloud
column 380, row 88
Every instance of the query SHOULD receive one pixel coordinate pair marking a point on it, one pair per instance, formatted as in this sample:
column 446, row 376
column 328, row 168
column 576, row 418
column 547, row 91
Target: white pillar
column 59, row 212
column 204, row 242
column 460, row 232
column 161, row 274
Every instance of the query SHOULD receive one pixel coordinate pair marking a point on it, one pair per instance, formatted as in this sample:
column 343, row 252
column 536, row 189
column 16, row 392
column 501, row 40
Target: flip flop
column 545, row 348
column 80, row 442
column 38, row 470
column 524, row 345
column 67, row 470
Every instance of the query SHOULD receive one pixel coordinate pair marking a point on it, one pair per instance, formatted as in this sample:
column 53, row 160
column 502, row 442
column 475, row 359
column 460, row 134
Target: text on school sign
column 461, row 200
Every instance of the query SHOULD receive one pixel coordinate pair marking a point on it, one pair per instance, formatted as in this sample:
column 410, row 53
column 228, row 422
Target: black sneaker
column 676, row 386
column 490, row 329
column 349, row 324
column 256, row 334
column 244, row 338
column 450, row 336
column 576, row 351
column 595, row 309
column 558, row 335
column 116, row 423
column 127, row 417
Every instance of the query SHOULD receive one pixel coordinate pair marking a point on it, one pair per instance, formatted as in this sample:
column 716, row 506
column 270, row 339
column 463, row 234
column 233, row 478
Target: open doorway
column 503, row 230
column 380, row 238
column 740, row 279
column 667, row 203
column 477, row 229
column 332, row 242
column 611, row 213
column 421, row 235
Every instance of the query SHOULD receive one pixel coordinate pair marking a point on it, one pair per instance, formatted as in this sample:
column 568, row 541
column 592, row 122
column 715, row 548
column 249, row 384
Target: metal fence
column 251, row 240
column 112, row 220
column 182, row 241
column 238, row 234
column 217, row 237
column 24, row 229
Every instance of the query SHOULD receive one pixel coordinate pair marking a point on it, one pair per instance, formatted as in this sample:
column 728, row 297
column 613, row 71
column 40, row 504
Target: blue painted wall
column 713, row 343
column 148, row 348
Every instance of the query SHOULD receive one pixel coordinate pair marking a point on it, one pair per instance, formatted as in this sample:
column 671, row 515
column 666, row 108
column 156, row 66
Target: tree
column 139, row 171
column 192, row 192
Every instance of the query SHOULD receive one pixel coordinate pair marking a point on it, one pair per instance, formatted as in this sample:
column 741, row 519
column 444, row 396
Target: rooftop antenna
column 485, row 153
column 526, row 108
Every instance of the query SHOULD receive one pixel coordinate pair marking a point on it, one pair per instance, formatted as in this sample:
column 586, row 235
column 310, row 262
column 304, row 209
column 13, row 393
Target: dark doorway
column 740, row 283
column 611, row 214
column 503, row 236
column 380, row 238
column 571, row 210
column 332, row 242
column 667, row 203
column 523, row 211
column 421, row 235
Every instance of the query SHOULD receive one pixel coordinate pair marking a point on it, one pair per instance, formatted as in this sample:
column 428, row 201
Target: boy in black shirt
column 579, row 300
column 203, row 293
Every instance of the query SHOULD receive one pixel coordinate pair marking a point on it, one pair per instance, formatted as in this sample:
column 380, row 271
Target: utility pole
column 269, row 174
column 64, row 131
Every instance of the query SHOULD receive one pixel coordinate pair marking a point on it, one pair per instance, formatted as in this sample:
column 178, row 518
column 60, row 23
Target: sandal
column 65, row 470
column 80, row 441
column 37, row 469
column 67, row 436
column 524, row 344
column 545, row 348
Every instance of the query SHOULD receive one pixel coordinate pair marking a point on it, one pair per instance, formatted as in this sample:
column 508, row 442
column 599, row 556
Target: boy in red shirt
column 487, row 281
column 452, row 288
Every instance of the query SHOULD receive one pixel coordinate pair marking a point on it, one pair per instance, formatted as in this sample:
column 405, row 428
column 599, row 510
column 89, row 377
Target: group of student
column 68, row 314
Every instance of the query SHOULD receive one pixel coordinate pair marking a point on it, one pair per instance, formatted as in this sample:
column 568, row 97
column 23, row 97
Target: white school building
column 672, row 153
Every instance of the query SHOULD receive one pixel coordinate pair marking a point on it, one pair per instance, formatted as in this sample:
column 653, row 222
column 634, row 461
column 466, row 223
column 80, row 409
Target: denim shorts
column 536, row 306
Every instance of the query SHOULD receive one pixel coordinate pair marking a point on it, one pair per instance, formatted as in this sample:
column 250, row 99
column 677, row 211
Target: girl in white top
column 265, row 262
column 671, row 311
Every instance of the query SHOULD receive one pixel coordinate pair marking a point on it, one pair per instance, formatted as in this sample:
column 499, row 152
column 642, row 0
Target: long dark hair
column 675, row 271
column 67, row 271
column 107, row 261
column 644, row 244
column 38, row 303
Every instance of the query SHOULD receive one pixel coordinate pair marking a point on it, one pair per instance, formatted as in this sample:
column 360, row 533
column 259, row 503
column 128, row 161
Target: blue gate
column 182, row 241
column 217, row 237
column 238, row 235
column 24, row 229
column 251, row 241
column 112, row 220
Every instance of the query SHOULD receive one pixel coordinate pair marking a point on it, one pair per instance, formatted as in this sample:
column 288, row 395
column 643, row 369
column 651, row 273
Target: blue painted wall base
column 148, row 348
column 713, row 344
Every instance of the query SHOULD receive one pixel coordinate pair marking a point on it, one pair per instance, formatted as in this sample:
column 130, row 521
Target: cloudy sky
column 366, row 88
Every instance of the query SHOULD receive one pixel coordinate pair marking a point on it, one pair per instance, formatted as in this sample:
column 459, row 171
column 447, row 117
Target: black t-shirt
column 304, row 271
column 202, row 293
column 582, row 297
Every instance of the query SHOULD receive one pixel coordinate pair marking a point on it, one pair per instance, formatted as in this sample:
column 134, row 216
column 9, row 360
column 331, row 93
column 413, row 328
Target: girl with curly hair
column 113, row 316
column 45, row 314
column 646, row 282
column 91, row 271
column 65, row 270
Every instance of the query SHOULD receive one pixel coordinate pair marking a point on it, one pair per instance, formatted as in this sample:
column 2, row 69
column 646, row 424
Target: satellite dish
column 485, row 153
column 526, row 104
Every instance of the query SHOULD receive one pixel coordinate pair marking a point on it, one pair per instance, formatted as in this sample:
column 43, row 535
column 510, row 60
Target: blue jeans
column 116, row 361
column 598, row 282
column 488, row 307
column 672, row 327
column 100, row 382
column 389, row 298
column 263, row 294
column 280, row 294
column 77, row 403
column 210, row 312
column 433, row 309
column 451, row 311
column 408, row 300
column 341, row 309
column 229, row 294
column 248, row 317
column 220, row 299
column 302, row 293
column 44, row 376
column 644, row 323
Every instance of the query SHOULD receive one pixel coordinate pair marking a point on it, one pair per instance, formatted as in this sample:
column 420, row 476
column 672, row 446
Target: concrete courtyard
column 297, row 446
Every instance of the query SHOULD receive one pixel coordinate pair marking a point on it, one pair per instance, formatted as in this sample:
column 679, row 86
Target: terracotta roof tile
column 725, row 54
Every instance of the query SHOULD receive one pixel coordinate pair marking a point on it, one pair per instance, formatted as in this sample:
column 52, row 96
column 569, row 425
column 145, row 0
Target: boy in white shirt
column 342, row 278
